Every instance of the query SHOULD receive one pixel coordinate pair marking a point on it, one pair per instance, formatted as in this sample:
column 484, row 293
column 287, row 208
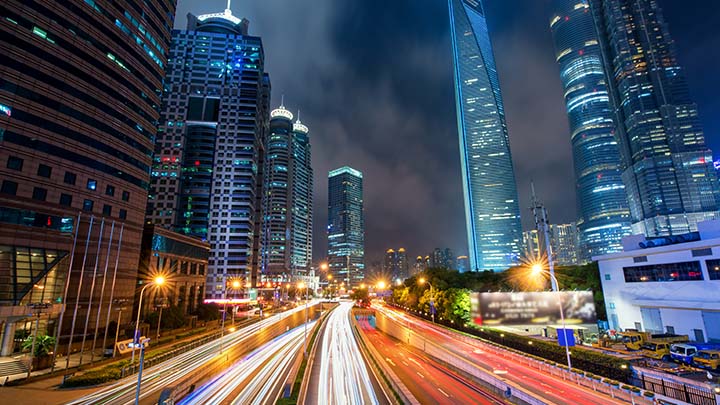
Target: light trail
column 263, row 368
column 344, row 377
column 170, row 372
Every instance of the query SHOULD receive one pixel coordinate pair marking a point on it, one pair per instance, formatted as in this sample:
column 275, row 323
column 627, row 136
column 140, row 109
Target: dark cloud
column 374, row 81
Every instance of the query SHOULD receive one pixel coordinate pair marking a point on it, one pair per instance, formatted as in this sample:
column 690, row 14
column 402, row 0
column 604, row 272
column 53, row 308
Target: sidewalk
column 42, row 392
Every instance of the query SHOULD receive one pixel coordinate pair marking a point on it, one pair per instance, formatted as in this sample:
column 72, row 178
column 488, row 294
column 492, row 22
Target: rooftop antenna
column 282, row 98
column 228, row 5
column 298, row 117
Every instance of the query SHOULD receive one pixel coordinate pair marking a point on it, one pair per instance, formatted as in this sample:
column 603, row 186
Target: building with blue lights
column 287, row 200
column 668, row 172
column 491, row 200
column 346, row 226
column 603, row 213
column 208, row 167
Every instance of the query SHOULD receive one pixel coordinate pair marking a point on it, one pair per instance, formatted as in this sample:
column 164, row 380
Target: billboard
column 532, row 308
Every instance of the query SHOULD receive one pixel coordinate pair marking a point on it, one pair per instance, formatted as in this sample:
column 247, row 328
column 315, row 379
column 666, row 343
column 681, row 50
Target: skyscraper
column 396, row 264
column 346, row 225
column 667, row 168
column 491, row 203
column 287, row 223
column 80, row 86
column 209, row 149
column 604, row 216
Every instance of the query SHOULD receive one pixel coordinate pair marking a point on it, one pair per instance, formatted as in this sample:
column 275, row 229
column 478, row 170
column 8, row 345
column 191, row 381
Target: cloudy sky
column 373, row 79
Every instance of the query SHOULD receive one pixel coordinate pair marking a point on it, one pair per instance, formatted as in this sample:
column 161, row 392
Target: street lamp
column 234, row 284
column 157, row 281
column 422, row 281
column 537, row 269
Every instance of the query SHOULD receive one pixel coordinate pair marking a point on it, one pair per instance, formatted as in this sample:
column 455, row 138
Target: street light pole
column 157, row 281
column 562, row 319
column 432, row 300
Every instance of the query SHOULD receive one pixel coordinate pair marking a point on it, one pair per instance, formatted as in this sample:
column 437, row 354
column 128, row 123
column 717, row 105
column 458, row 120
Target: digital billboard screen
column 532, row 308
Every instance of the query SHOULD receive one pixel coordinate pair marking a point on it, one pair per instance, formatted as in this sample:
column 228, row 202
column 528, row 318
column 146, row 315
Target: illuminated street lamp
column 422, row 281
column 538, row 269
column 235, row 285
column 158, row 281
column 381, row 285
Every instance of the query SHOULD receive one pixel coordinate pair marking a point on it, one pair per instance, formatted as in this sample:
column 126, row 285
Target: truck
column 634, row 340
column 709, row 359
column 656, row 350
column 685, row 352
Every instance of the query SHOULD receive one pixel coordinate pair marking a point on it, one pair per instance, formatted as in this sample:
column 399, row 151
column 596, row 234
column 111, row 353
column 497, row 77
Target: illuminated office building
column 346, row 226
column 491, row 202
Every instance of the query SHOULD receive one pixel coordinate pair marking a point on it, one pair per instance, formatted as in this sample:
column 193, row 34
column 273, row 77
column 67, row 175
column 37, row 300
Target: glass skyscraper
column 604, row 216
column 346, row 226
column 668, row 171
column 208, row 155
column 287, row 212
column 491, row 200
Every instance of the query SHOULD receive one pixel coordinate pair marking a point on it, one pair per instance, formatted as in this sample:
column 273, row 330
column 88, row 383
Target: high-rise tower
column 667, row 168
column 491, row 201
column 207, row 169
column 346, row 226
column 604, row 216
column 80, row 85
column 287, row 217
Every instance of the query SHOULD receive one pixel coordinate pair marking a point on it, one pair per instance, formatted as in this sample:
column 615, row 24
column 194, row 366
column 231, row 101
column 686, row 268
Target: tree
column 361, row 296
column 207, row 312
column 44, row 345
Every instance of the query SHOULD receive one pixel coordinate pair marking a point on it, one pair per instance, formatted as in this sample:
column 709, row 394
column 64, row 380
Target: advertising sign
column 532, row 308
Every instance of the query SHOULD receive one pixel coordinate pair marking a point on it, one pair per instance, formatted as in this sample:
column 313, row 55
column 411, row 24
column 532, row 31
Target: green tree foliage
column 361, row 296
column 207, row 312
column 173, row 317
column 44, row 345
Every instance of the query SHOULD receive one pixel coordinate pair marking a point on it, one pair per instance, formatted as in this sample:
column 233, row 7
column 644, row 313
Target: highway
column 427, row 381
column 340, row 374
column 173, row 371
column 552, row 389
column 257, row 378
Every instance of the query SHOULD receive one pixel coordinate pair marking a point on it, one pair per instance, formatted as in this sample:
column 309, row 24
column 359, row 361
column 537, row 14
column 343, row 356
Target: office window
column 70, row 178
column 126, row 196
column 713, row 267
column 122, row 214
column 608, row 277
column 39, row 194
column 65, row 199
column 88, row 205
column 44, row 171
column 110, row 190
column 91, row 184
column 107, row 210
column 14, row 163
column 9, row 187
column 685, row 271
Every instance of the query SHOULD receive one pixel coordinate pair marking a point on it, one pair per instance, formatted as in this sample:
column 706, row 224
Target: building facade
column 210, row 146
column 287, row 204
column 564, row 241
column 396, row 265
column 490, row 194
column 182, row 260
column 668, row 173
column 666, row 285
column 603, row 213
column 80, row 85
column 346, row 226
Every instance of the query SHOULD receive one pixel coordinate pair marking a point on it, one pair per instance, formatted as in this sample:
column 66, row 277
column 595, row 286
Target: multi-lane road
column 551, row 389
column 427, row 381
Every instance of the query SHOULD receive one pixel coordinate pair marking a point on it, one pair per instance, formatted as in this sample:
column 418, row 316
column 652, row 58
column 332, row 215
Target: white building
column 667, row 284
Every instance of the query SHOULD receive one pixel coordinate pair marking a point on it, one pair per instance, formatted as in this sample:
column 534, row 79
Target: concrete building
column 667, row 284
column 396, row 264
column 346, row 226
column 79, row 94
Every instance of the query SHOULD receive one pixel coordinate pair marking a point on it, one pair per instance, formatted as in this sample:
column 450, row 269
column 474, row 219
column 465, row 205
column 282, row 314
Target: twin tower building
column 641, row 163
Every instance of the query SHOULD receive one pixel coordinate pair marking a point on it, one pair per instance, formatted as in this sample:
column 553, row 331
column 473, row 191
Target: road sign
column 566, row 337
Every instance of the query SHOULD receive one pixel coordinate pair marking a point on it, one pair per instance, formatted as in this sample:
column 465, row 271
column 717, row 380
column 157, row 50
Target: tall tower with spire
column 287, row 199
column 207, row 173
column 491, row 200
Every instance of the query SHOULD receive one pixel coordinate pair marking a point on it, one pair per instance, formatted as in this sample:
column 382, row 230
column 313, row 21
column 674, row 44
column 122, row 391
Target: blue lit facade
column 668, row 171
column 604, row 216
column 207, row 168
column 287, row 200
column 346, row 226
column 491, row 202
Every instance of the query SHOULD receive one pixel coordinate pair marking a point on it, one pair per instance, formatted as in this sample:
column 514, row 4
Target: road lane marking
column 390, row 361
column 443, row 392
column 405, row 363
column 418, row 373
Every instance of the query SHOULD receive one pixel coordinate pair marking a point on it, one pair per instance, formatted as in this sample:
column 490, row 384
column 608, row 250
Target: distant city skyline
column 416, row 210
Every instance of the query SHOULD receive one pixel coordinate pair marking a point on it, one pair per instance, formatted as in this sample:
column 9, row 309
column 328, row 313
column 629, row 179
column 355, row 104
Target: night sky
column 373, row 79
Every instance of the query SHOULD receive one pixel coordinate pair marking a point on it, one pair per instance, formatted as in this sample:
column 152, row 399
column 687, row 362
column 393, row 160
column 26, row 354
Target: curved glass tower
column 604, row 216
column 491, row 203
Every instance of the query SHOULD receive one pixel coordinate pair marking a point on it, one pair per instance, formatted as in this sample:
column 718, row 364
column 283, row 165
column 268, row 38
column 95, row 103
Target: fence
column 676, row 390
